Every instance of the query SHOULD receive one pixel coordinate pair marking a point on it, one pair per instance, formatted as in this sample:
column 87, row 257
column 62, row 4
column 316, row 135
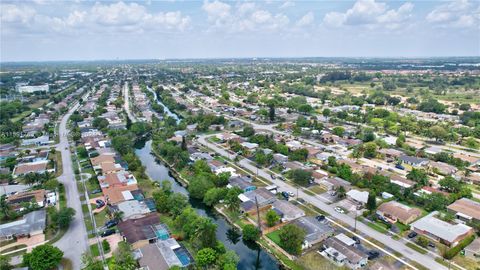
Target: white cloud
column 306, row 20
column 459, row 14
column 16, row 14
column 287, row 4
column 111, row 18
column 245, row 17
column 370, row 13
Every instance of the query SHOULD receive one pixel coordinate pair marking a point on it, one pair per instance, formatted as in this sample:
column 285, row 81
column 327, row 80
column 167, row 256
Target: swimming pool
column 161, row 232
column 183, row 256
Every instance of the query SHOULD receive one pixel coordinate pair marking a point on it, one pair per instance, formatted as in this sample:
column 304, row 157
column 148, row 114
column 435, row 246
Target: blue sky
column 89, row 30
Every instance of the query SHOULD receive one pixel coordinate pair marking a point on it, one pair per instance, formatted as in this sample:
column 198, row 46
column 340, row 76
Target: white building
column 32, row 88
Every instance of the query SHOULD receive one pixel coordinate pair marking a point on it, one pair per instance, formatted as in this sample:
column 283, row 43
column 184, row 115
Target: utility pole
column 355, row 227
column 258, row 216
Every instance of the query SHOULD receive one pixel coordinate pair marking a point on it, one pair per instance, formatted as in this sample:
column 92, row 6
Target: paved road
column 126, row 105
column 74, row 243
column 398, row 246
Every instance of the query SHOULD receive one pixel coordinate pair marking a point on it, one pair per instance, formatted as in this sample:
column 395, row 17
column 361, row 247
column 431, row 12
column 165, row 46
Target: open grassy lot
column 101, row 217
column 314, row 261
column 274, row 236
column 317, row 189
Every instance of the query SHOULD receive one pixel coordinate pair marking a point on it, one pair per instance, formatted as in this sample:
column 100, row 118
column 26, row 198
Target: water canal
column 251, row 255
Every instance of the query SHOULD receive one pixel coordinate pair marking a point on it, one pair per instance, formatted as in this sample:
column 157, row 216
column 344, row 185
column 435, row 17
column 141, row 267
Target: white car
column 291, row 194
column 339, row 210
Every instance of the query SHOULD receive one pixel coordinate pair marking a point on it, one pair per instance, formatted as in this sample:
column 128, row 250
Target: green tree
column 298, row 155
column 292, row 238
column 206, row 257
column 43, row 257
column 63, row 217
column 248, row 131
column 272, row 218
column 90, row 263
column 438, row 132
column 271, row 111
column 418, row 175
column 450, row 184
column 5, row 208
column 231, row 199
column 326, row 112
column 250, row 233
column 214, row 195
column 422, row 241
column 370, row 150
column 372, row 201
column 123, row 258
column 205, row 233
column 300, row 177
column 5, row 263
column 339, row 131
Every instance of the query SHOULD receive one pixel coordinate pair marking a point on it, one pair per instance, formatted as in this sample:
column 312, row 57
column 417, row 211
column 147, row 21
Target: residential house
column 442, row 231
column 357, row 197
column 473, row 250
column 140, row 231
column 465, row 209
column 287, row 211
column 413, row 161
column 31, row 224
column 35, row 197
column 333, row 183
column 131, row 209
column 32, row 167
column 344, row 255
column 442, row 168
column 280, row 158
column 315, row 231
column 390, row 153
column 242, row 182
column 393, row 211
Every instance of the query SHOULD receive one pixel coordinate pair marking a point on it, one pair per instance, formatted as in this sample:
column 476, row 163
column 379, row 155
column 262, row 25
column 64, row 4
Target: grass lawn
column 290, row 264
column 275, row 237
column 379, row 227
column 317, row 189
column 59, row 164
column 94, row 250
column 402, row 227
column 314, row 261
column 101, row 217
column 19, row 246
column 466, row 262
column 416, row 248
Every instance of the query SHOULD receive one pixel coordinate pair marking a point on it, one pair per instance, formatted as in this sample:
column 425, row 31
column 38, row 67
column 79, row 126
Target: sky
column 103, row 30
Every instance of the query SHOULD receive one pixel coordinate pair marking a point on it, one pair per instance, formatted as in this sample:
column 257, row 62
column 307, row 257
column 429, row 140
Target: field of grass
column 101, row 217
column 379, row 227
column 59, row 164
column 314, row 261
column 317, row 189
column 416, row 248
column 94, row 250
column 274, row 236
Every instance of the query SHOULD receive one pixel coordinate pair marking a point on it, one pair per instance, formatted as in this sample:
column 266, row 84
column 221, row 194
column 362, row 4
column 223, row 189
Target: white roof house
column 358, row 196
column 440, row 230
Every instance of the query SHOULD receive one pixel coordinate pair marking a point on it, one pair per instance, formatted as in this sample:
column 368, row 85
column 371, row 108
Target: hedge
column 454, row 250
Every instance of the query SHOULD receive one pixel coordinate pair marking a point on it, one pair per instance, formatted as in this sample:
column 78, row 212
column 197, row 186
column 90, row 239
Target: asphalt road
column 126, row 105
column 396, row 245
column 74, row 242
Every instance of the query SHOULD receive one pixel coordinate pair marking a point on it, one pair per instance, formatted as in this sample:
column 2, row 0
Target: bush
column 105, row 246
column 454, row 250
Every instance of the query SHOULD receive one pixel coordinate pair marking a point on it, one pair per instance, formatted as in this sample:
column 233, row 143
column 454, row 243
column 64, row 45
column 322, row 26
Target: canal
column 252, row 256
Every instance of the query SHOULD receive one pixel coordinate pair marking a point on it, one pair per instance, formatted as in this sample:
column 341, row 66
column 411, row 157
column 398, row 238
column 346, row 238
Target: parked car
column 356, row 239
column 373, row 254
column 339, row 210
column 398, row 166
column 285, row 195
column 100, row 203
column 412, row 235
column 432, row 245
column 291, row 194
column 95, row 191
column 107, row 232
column 320, row 218
column 111, row 223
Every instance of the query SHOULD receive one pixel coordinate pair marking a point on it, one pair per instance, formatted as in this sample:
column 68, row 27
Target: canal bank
column 252, row 256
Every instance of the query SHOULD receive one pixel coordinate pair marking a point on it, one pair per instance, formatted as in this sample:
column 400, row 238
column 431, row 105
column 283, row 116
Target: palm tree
column 5, row 207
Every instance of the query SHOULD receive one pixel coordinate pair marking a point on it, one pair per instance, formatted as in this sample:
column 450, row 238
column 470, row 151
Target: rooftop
column 440, row 228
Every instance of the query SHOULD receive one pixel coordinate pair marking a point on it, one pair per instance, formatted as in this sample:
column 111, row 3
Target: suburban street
column 127, row 103
column 74, row 242
column 396, row 245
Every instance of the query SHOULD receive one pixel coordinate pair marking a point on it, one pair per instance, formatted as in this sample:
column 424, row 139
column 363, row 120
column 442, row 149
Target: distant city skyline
column 47, row 30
